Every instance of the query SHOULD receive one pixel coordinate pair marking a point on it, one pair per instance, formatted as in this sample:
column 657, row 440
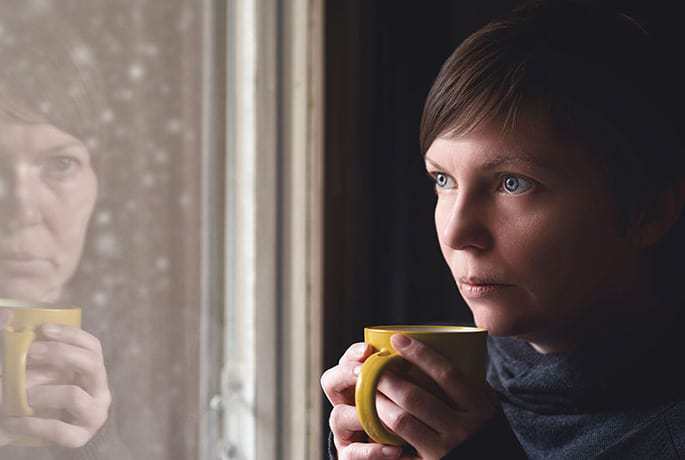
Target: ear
column 662, row 214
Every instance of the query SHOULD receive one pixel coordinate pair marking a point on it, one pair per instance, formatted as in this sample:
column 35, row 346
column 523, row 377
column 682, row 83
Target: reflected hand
column 429, row 424
column 66, row 386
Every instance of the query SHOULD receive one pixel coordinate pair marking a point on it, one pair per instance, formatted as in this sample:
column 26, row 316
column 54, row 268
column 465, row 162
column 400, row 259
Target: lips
column 20, row 257
column 481, row 280
column 481, row 286
column 23, row 264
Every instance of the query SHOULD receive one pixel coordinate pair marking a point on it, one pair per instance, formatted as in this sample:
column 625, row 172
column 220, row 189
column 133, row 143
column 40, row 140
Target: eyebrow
column 64, row 146
column 504, row 160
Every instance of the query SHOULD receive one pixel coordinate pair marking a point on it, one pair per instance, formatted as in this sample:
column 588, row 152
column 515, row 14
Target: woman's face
column 47, row 194
column 534, row 217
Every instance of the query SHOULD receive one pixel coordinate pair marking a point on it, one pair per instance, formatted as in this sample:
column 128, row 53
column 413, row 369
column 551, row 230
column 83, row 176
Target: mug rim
column 424, row 328
column 15, row 304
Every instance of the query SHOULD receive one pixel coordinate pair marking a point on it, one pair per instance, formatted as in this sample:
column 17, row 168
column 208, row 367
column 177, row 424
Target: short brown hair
column 594, row 73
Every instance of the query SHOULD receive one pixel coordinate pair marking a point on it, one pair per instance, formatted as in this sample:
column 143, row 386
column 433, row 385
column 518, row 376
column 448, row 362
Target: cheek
column 441, row 219
column 70, row 214
column 563, row 259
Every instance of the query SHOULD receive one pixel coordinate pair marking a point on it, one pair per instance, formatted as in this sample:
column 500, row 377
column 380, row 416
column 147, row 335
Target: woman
column 553, row 142
column 48, row 190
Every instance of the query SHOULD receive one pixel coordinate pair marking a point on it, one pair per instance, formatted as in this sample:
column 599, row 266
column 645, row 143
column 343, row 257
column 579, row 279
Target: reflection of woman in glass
column 47, row 194
column 48, row 190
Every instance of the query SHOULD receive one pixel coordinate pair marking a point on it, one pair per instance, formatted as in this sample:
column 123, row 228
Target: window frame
column 262, row 301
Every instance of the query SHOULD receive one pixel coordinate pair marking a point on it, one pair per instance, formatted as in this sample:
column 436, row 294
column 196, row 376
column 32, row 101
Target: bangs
column 577, row 67
column 482, row 83
column 49, row 76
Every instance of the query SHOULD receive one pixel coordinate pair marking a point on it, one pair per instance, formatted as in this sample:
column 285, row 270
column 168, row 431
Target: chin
column 499, row 322
column 30, row 290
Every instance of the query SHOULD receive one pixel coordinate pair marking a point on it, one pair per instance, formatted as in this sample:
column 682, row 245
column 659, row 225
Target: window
column 200, row 224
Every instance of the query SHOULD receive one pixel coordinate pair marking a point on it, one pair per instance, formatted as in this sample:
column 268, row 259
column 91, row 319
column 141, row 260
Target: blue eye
column 441, row 180
column 515, row 184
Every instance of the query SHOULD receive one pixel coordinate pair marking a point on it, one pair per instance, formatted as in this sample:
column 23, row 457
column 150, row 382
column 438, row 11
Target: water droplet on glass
column 103, row 217
column 107, row 245
column 107, row 116
column 173, row 125
column 162, row 264
column 136, row 72
column 100, row 298
column 149, row 180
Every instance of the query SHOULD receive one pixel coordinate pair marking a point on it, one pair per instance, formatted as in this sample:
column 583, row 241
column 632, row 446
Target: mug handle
column 14, row 396
column 365, row 397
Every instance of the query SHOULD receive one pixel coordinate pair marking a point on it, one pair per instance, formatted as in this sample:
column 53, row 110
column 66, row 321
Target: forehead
column 531, row 144
column 17, row 137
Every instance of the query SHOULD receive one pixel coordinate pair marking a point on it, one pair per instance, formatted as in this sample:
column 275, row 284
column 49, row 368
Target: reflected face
column 527, row 229
column 48, row 190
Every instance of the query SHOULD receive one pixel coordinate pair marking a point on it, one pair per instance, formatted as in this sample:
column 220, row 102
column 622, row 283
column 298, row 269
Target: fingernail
column 359, row 349
column 357, row 370
column 51, row 329
column 391, row 452
column 400, row 341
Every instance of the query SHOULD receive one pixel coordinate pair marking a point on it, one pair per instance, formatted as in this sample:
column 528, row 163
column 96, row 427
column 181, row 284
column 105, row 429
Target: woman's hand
column 430, row 425
column 66, row 386
column 338, row 383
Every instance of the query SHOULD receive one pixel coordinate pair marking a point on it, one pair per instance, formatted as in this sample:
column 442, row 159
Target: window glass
column 100, row 208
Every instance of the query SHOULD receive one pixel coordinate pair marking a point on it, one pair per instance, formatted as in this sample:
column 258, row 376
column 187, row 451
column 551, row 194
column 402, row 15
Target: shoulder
column 674, row 419
column 661, row 435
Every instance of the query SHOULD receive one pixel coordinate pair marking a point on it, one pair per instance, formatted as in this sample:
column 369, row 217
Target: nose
column 463, row 223
column 18, row 199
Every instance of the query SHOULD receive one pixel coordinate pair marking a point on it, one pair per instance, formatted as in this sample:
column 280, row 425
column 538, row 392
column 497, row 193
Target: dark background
column 382, row 259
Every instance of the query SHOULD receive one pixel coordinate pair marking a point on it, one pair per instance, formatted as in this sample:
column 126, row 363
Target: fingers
column 44, row 376
column 357, row 352
column 345, row 426
column 406, row 426
column 365, row 451
column 338, row 382
column 72, row 336
column 418, row 402
column 67, row 387
column 70, row 358
column 51, row 430
column 85, row 410
column 436, row 366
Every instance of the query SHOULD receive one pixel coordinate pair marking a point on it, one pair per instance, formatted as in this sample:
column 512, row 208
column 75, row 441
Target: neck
column 628, row 300
column 601, row 321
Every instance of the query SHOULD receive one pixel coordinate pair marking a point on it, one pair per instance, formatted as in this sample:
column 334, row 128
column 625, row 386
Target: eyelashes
column 511, row 180
column 510, row 184
column 61, row 167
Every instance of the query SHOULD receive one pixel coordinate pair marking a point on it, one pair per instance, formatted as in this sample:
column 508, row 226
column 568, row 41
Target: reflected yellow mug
column 18, row 334
column 463, row 346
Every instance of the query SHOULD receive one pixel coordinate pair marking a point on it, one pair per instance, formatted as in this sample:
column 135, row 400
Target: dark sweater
column 621, row 397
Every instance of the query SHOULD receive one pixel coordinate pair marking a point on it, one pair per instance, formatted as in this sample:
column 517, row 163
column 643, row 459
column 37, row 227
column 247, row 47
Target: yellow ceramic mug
column 18, row 334
column 464, row 346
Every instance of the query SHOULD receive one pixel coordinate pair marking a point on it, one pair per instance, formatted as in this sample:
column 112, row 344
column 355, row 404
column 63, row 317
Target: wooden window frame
column 263, row 230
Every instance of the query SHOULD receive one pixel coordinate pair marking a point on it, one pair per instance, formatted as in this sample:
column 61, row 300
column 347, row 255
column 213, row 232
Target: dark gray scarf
column 617, row 397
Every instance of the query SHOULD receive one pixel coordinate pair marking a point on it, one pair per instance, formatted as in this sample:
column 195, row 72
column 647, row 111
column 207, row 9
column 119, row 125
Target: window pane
column 101, row 207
